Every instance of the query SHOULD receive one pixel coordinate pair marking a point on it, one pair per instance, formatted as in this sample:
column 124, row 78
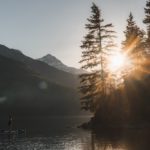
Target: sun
column 118, row 61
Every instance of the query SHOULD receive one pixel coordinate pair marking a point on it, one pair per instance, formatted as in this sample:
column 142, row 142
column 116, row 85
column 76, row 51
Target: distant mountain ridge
column 54, row 62
column 31, row 87
column 49, row 72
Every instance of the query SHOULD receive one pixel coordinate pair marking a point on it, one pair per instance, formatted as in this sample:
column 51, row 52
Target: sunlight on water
column 66, row 136
column 58, row 143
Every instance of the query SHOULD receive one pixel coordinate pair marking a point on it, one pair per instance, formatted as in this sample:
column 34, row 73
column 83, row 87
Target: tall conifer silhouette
column 96, row 46
column 133, row 44
column 147, row 22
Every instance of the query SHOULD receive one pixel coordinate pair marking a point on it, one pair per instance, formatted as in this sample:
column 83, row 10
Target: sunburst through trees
column 96, row 46
column 108, row 68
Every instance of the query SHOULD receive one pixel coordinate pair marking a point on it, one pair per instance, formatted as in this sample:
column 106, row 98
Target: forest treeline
column 112, row 98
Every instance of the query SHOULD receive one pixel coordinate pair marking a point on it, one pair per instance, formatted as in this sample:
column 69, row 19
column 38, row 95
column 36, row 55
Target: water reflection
column 133, row 139
column 101, row 140
column 62, row 134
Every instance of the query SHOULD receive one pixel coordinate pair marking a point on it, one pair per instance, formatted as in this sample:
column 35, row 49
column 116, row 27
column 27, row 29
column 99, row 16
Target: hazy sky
column 39, row 27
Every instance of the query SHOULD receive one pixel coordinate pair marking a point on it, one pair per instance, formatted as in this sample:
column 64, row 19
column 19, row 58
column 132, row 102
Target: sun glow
column 118, row 62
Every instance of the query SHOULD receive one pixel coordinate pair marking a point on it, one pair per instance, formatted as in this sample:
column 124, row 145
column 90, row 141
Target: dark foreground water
column 61, row 133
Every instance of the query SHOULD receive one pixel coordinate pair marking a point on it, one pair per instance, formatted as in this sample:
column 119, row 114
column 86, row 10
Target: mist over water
column 61, row 133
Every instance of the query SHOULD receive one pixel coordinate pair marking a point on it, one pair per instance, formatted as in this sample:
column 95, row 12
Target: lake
column 61, row 133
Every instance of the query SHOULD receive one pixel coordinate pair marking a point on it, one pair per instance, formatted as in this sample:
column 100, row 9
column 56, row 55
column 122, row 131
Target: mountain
column 31, row 87
column 50, row 73
column 54, row 62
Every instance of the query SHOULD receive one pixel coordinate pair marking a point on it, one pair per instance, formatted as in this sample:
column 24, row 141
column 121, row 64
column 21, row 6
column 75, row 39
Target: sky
column 40, row 27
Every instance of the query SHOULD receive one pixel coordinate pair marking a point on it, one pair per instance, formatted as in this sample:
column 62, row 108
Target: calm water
column 60, row 133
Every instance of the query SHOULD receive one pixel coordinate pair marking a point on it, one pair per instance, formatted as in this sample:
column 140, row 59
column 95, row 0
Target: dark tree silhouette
column 147, row 22
column 96, row 46
column 133, row 44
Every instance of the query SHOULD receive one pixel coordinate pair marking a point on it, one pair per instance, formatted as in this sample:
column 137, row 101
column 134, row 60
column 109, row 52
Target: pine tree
column 147, row 22
column 96, row 45
column 133, row 44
